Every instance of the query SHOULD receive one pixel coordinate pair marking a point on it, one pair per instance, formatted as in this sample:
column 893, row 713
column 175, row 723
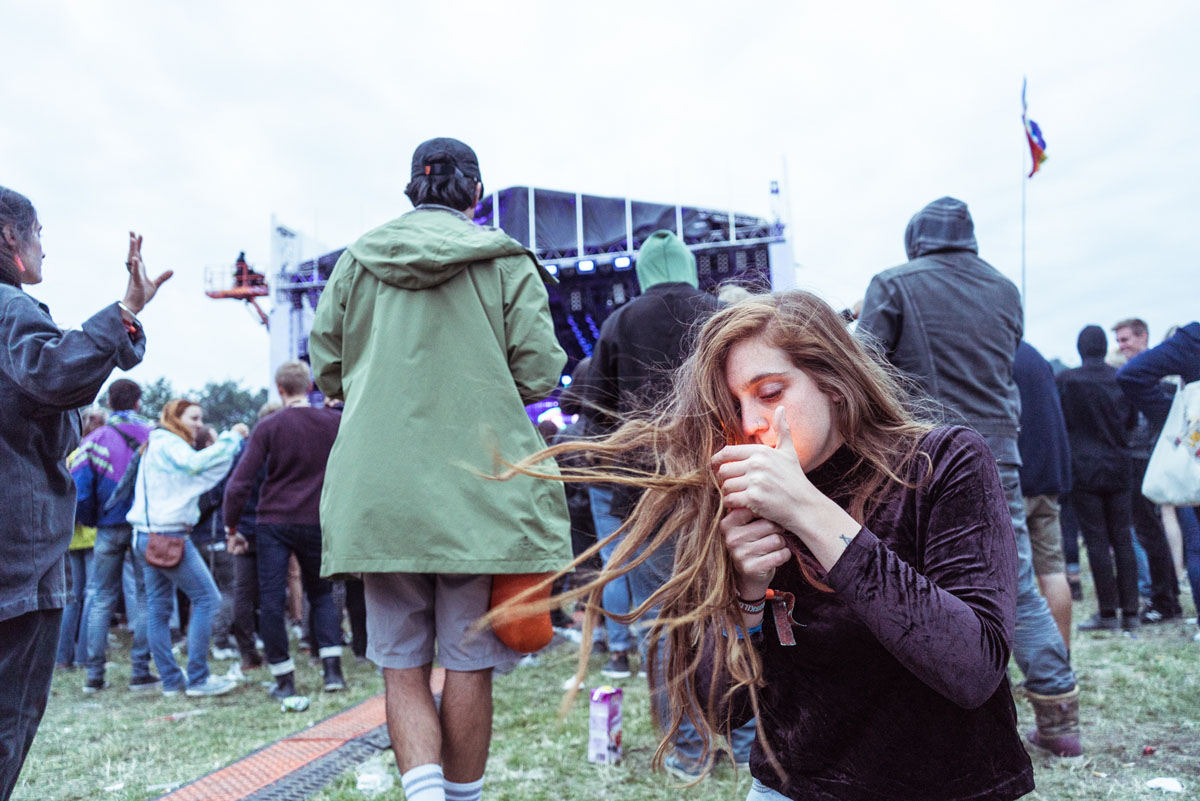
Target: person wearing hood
column 436, row 332
column 1099, row 420
column 639, row 346
column 951, row 322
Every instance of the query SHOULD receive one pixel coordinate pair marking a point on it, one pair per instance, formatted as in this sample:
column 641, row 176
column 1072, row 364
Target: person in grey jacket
column 46, row 374
column 951, row 322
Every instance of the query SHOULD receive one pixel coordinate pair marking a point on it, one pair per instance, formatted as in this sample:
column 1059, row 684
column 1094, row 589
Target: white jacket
column 172, row 476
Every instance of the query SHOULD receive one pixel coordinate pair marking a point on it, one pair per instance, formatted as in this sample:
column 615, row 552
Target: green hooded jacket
column 436, row 332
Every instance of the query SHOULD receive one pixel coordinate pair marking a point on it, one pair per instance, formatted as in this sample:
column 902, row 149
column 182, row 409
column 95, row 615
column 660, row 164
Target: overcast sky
column 194, row 123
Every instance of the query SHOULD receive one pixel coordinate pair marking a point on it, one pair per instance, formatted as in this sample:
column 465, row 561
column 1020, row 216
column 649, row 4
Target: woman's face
column 193, row 420
column 761, row 378
column 29, row 249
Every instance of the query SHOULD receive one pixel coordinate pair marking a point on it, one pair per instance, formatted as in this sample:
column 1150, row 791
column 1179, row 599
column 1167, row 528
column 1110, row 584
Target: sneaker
column 1154, row 616
column 224, row 654
column 1099, row 623
column 172, row 693
column 682, row 769
column 1130, row 622
column 95, row 685
column 617, row 666
column 141, row 683
column 211, row 686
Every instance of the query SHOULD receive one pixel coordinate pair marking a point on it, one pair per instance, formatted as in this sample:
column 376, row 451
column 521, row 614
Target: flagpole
column 1024, row 181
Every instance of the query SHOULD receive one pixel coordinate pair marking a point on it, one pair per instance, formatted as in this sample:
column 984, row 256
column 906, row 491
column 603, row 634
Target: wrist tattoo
column 845, row 540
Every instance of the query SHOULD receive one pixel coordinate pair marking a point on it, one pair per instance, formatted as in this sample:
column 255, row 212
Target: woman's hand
column 756, row 547
column 770, row 484
column 241, row 429
column 141, row 288
column 767, row 481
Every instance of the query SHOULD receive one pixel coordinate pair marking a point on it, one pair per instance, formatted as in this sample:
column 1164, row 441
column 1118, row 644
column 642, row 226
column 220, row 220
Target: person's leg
column 108, row 561
column 68, row 634
column 1170, row 523
column 1116, row 512
column 273, row 557
column 1164, row 584
column 160, row 598
column 305, row 542
column 356, row 608
column 616, row 597
column 469, row 657
column 1070, row 539
column 401, row 626
column 245, row 602
column 139, row 651
column 26, row 669
column 1089, row 508
column 295, row 594
column 1189, row 529
column 220, row 564
column 192, row 576
column 1045, row 538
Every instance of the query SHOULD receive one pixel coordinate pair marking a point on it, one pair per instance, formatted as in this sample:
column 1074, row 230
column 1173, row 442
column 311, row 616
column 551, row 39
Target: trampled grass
column 1138, row 691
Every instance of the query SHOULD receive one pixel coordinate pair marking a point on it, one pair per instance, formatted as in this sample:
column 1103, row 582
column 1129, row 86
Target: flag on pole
column 1037, row 144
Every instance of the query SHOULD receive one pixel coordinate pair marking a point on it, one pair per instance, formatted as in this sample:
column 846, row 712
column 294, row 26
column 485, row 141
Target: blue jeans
column 72, row 642
column 1038, row 647
column 106, row 580
column 1189, row 526
column 190, row 575
column 761, row 792
column 644, row 580
column 275, row 543
column 617, row 593
column 26, row 668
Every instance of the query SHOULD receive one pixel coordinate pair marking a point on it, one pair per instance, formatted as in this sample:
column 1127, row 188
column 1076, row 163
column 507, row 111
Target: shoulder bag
column 162, row 550
column 1173, row 474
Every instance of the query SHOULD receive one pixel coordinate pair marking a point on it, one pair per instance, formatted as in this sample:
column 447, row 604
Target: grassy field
column 1138, row 691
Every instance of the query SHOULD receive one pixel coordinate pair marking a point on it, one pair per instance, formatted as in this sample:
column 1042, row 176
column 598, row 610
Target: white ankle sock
column 470, row 791
column 424, row 783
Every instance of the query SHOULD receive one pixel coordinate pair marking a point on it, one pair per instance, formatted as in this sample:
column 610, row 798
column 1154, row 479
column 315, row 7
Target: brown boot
column 1057, row 723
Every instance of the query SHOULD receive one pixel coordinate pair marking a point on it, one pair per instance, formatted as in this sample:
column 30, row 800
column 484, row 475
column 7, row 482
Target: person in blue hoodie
column 1045, row 475
column 1141, row 381
column 46, row 375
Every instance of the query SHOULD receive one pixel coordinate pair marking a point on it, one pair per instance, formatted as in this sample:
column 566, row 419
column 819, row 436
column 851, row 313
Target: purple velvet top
column 897, row 686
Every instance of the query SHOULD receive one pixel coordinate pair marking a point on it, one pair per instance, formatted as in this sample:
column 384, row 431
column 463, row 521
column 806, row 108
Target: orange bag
column 523, row 633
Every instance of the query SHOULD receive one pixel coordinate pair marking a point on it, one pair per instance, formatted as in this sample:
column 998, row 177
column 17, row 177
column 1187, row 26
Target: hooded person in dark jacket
column 46, row 374
column 1099, row 419
column 951, row 322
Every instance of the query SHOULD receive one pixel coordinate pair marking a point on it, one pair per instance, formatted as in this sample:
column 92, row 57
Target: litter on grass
column 1166, row 784
column 174, row 716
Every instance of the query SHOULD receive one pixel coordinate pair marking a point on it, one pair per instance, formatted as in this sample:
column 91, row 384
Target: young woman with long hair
column 172, row 475
column 841, row 569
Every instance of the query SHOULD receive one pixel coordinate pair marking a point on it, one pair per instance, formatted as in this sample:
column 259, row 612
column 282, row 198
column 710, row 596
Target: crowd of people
column 819, row 535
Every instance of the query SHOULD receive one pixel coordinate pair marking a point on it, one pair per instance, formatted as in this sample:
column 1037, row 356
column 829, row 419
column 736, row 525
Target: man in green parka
column 437, row 332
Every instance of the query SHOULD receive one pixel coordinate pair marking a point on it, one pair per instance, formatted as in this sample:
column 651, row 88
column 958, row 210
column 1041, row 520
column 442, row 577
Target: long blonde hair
column 682, row 506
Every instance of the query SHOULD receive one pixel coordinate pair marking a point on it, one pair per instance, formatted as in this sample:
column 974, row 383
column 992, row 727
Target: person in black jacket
column 46, row 374
column 1099, row 419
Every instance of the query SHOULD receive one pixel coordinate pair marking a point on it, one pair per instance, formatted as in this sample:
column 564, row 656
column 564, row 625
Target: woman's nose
column 754, row 424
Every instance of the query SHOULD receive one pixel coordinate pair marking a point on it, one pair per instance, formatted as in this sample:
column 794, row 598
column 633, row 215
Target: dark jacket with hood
column 950, row 321
column 46, row 374
column 437, row 332
column 642, row 342
column 1099, row 419
column 1045, row 453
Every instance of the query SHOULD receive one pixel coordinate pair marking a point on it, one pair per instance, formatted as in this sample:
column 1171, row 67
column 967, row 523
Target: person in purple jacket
column 843, row 570
column 104, row 457
column 293, row 444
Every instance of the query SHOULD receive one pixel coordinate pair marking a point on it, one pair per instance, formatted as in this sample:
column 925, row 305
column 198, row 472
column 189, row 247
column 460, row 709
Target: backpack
column 123, row 492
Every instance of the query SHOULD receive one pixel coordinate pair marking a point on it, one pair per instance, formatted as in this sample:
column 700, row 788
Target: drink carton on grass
column 604, row 726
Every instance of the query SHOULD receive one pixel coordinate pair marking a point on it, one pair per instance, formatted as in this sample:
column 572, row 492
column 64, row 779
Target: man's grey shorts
column 408, row 612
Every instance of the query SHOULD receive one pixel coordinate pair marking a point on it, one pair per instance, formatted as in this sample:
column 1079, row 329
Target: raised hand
column 767, row 481
column 756, row 547
column 141, row 288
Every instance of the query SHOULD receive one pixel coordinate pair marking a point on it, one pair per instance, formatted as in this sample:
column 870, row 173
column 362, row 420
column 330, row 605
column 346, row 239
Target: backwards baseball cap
column 445, row 156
